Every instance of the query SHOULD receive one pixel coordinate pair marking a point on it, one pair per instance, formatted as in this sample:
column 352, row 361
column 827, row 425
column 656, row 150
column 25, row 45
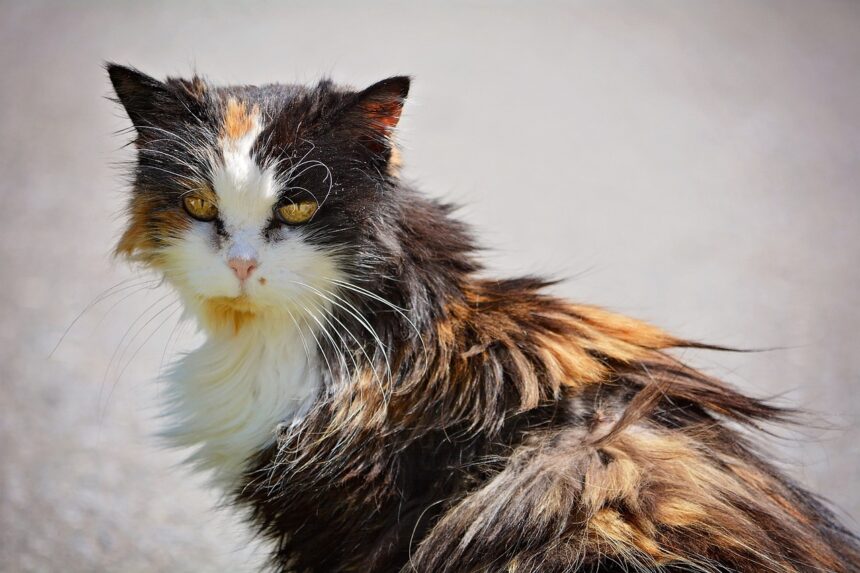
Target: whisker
column 324, row 330
column 104, row 295
column 195, row 169
column 326, row 315
column 321, row 349
column 376, row 297
column 175, row 331
column 124, row 336
column 162, row 323
column 123, row 299
column 351, row 310
column 361, row 349
column 301, row 334
column 140, row 347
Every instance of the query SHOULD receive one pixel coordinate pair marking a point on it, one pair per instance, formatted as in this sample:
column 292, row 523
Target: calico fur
column 395, row 410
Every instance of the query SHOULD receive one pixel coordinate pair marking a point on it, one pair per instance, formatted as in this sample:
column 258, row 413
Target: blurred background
column 694, row 164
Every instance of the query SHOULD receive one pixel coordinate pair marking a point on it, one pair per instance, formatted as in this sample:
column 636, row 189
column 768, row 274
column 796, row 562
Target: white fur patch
column 227, row 397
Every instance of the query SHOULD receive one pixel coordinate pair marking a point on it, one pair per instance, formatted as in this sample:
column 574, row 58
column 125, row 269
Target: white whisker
column 104, row 295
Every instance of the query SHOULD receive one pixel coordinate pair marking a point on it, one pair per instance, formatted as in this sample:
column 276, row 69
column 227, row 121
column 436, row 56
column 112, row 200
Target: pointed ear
column 150, row 102
column 375, row 112
column 140, row 94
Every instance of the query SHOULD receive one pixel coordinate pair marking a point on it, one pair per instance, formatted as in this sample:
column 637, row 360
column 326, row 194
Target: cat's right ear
column 151, row 103
column 138, row 93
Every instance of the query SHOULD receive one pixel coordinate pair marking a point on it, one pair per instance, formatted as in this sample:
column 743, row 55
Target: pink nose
column 242, row 268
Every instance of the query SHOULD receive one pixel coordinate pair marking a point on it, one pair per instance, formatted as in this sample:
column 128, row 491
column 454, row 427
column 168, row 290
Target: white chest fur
column 226, row 398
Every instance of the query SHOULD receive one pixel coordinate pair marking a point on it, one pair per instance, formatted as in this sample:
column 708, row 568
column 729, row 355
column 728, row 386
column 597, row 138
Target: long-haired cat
column 374, row 404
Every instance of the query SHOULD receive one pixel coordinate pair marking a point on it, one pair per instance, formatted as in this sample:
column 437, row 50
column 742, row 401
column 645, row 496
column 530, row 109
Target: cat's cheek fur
column 291, row 269
column 195, row 268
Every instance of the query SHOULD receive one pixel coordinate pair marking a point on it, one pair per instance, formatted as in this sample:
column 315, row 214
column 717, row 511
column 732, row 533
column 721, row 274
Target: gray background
column 691, row 163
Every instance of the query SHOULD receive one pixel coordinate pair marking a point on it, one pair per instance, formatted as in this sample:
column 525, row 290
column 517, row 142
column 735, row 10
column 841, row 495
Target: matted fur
column 438, row 421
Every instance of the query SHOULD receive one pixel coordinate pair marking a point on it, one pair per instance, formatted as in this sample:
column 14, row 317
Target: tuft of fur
column 373, row 403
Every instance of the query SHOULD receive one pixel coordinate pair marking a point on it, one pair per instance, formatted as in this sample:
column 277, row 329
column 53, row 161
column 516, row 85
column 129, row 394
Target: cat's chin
column 229, row 313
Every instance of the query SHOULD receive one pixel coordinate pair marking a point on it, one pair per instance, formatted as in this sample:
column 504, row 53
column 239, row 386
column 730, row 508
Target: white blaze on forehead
column 246, row 193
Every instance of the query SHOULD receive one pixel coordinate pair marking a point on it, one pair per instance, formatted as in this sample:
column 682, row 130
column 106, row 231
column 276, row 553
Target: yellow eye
column 297, row 213
column 200, row 208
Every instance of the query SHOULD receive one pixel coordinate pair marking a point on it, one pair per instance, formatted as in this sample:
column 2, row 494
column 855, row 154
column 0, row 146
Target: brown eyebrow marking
column 238, row 120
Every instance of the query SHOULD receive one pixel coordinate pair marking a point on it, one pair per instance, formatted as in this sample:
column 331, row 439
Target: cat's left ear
column 375, row 111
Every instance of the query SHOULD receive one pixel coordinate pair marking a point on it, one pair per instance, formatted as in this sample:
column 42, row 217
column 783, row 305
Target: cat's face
column 257, row 201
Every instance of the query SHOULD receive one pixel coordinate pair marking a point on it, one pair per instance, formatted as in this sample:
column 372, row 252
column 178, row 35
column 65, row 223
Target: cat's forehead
column 262, row 137
column 285, row 103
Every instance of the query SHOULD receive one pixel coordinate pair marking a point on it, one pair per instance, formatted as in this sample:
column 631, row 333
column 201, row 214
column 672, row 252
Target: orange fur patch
column 385, row 113
column 395, row 162
column 229, row 313
column 614, row 535
column 679, row 502
column 238, row 120
column 562, row 346
column 135, row 238
column 146, row 225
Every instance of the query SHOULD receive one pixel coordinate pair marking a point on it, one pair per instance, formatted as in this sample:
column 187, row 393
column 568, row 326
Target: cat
column 371, row 403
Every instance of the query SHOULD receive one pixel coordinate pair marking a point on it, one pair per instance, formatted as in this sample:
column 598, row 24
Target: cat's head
column 253, row 201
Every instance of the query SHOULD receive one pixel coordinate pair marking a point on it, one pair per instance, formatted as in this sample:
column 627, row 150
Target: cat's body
column 374, row 405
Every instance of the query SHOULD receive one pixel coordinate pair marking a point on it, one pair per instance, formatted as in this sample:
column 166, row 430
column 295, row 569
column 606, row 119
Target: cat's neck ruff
column 226, row 398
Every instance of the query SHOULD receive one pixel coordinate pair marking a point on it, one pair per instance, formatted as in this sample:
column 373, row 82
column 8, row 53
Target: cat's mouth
column 241, row 303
